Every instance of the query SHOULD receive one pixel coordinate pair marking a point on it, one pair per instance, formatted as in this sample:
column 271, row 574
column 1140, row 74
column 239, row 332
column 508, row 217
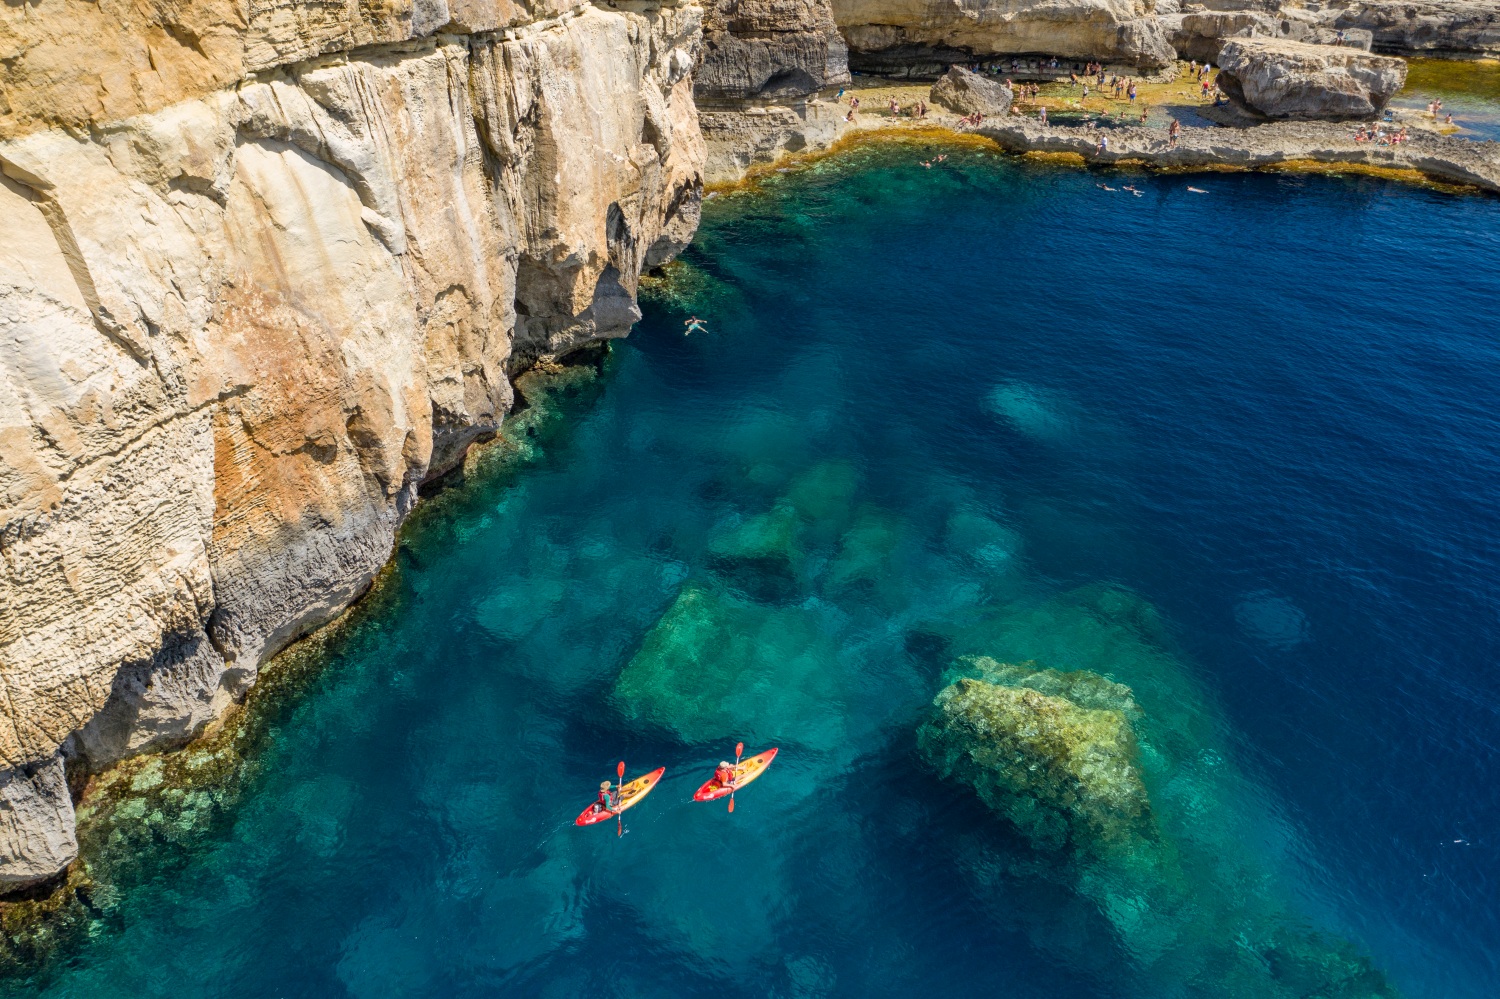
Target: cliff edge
column 266, row 267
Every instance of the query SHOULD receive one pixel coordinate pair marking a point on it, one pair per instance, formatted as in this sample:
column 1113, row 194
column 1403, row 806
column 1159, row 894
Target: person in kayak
column 607, row 799
column 724, row 774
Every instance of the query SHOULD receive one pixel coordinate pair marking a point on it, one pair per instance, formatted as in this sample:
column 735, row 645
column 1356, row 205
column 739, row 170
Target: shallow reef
column 1117, row 779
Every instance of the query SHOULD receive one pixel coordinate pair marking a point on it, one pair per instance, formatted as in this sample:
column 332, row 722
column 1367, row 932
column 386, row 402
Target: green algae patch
column 715, row 667
column 1065, row 775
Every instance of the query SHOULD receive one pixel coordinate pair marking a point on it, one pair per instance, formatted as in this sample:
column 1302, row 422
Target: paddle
column 739, row 749
column 619, row 801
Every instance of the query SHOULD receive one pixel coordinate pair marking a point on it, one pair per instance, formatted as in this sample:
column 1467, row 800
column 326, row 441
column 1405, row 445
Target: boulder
column 1281, row 79
column 964, row 92
column 1052, row 752
column 715, row 667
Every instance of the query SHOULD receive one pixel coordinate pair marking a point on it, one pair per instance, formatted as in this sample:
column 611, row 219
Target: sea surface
column 1237, row 450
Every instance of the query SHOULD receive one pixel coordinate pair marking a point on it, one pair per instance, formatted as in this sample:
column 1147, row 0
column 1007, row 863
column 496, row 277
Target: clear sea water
column 1237, row 450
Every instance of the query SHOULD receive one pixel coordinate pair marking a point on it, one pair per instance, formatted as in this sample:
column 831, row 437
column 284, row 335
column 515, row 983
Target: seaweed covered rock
column 1062, row 771
column 964, row 92
column 763, row 555
column 714, row 667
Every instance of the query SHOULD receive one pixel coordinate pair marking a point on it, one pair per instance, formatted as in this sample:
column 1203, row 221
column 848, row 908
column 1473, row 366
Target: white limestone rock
column 1281, row 79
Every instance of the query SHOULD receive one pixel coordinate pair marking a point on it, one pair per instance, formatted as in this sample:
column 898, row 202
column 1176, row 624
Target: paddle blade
column 621, row 768
column 739, row 749
column 731, row 801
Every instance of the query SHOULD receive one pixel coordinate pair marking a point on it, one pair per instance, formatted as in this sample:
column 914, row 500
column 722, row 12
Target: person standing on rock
column 1043, row 115
column 1174, row 130
column 1131, row 93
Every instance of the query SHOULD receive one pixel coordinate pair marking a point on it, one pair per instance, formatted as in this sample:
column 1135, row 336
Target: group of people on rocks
column 1380, row 136
column 1435, row 108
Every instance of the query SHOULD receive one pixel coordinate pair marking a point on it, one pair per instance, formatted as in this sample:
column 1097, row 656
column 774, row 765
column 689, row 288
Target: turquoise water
column 1236, row 451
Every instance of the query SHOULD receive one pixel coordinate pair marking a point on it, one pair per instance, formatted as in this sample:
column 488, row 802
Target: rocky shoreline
column 268, row 271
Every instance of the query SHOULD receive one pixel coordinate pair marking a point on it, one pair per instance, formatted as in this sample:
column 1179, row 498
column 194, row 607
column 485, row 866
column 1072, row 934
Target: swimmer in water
column 1197, row 190
column 694, row 325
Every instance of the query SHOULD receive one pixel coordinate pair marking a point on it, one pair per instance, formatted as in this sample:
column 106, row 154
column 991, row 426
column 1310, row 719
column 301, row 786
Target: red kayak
column 744, row 773
column 630, row 796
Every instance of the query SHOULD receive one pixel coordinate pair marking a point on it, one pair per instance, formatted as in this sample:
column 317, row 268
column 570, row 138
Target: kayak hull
column 748, row 770
column 630, row 796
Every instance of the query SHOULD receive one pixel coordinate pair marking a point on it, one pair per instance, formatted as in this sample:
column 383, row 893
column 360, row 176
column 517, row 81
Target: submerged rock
column 715, row 667
column 763, row 555
column 1060, row 766
column 964, row 92
column 1284, row 79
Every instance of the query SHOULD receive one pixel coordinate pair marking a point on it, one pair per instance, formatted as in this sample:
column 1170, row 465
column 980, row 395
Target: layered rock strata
column 764, row 64
column 965, row 93
column 263, row 271
column 922, row 38
column 1462, row 29
column 1444, row 158
column 1281, row 79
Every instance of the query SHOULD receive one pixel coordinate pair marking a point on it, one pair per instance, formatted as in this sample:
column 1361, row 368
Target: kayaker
column 606, row 802
column 724, row 774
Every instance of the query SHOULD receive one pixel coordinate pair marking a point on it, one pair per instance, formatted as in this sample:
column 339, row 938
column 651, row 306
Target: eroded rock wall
column 266, row 267
column 924, row 37
column 764, row 64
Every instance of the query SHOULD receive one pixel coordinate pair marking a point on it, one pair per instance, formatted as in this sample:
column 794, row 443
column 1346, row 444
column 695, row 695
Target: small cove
column 1191, row 442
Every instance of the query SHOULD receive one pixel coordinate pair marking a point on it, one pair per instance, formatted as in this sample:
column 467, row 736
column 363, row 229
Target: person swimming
column 694, row 325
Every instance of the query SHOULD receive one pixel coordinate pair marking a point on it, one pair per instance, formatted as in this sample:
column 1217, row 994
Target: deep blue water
column 1236, row 450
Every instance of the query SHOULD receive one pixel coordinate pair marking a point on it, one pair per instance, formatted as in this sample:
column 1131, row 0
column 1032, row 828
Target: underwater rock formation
column 1061, row 765
column 261, row 275
column 716, row 667
column 1281, row 79
column 1183, row 877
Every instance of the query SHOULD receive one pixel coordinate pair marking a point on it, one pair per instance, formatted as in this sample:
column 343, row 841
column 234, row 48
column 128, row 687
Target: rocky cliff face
column 265, row 267
column 924, row 37
column 764, row 63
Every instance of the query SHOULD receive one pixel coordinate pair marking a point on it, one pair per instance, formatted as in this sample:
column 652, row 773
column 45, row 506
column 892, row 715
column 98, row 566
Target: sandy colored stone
column 1284, row 79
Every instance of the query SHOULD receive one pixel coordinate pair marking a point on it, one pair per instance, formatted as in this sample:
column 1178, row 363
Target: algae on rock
column 716, row 667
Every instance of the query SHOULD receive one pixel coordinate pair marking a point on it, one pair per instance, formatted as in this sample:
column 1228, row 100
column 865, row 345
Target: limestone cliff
column 924, row 37
column 265, row 267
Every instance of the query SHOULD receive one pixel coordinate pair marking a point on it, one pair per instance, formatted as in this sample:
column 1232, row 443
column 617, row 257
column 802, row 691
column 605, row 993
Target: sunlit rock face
column 924, row 37
column 263, row 271
column 1053, row 752
column 1283, row 79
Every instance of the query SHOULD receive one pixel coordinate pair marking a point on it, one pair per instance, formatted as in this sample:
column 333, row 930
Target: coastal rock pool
column 1209, row 479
